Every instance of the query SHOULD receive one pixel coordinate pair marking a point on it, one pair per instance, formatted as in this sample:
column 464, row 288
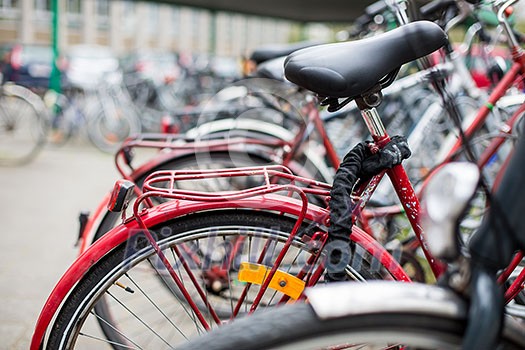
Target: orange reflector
column 281, row 281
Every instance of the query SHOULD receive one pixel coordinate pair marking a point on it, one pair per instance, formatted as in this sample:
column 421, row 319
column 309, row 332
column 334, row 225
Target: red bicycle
column 181, row 252
column 187, row 246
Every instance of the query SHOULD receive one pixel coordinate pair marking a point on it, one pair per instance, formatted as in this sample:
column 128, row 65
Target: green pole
column 54, row 82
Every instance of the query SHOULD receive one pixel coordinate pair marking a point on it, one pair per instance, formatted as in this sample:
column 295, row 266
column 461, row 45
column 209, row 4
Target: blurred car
column 28, row 65
column 157, row 66
column 87, row 66
column 4, row 57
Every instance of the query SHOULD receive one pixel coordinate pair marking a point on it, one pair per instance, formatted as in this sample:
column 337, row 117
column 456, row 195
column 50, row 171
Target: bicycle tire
column 23, row 125
column 298, row 327
column 185, row 232
column 309, row 161
column 208, row 160
column 107, row 132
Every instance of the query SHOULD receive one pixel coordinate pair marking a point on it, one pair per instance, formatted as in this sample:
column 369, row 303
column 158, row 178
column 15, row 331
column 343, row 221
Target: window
column 74, row 13
column 8, row 4
column 43, row 10
column 43, row 5
column 175, row 20
column 102, row 9
column 9, row 8
column 153, row 20
column 73, row 6
column 129, row 17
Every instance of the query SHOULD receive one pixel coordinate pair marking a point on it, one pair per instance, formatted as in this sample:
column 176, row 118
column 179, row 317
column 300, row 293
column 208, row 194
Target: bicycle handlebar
column 436, row 6
column 502, row 19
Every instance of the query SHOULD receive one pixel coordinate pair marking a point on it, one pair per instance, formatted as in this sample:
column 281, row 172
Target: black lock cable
column 361, row 162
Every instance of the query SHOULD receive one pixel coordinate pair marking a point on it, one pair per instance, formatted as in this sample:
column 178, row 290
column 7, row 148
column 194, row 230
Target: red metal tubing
column 516, row 287
column 173, row 274
column 283, row 251
column 509, row 269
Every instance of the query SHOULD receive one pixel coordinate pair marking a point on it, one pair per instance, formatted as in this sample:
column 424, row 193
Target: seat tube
column 401, row 183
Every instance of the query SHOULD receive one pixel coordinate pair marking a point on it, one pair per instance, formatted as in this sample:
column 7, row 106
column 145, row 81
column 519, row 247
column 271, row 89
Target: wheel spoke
column 107, row 341
column 116, row 330
column 138, row 318
column 167, row 281
column 156, row 306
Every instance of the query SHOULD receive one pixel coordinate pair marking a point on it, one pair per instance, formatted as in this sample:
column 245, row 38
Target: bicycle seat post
column 367, row 104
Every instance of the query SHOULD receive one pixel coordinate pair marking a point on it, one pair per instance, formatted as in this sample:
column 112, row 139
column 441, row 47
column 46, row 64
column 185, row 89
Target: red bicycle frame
column 183, row 203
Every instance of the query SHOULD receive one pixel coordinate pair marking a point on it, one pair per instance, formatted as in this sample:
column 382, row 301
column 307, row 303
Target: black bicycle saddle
column 349, row 69
column 272, row 69
column 265, row 53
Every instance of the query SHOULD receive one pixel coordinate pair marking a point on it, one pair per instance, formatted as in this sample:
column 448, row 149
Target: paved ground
column 39, row 205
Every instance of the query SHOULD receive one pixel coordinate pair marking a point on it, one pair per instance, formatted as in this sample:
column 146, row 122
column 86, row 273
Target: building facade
column 129, row 25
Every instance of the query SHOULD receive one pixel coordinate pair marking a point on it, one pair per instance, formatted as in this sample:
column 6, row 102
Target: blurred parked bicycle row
column 105, row 97
column 109, row 98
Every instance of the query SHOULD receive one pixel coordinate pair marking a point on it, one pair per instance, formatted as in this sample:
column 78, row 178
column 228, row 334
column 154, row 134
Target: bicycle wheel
column 200, row 161
column 191, row 162
column 209, row 160
column 213, row 244
column 23, row 125
column 110, row 127
column 298, row 327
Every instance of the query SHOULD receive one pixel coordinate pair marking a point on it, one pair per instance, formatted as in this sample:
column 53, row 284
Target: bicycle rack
column 178, row 142
column 277, row 179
